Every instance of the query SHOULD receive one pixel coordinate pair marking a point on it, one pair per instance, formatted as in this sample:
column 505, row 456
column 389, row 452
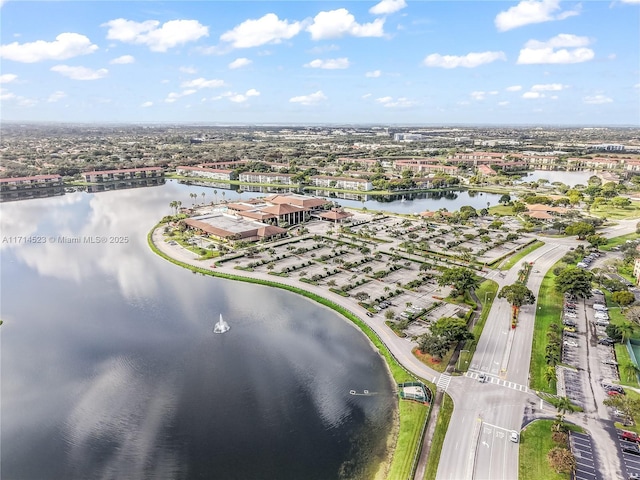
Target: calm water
column 570, row 179
column 110, row 369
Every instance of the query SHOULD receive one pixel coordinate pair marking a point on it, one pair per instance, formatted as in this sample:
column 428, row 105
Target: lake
column 110, row 368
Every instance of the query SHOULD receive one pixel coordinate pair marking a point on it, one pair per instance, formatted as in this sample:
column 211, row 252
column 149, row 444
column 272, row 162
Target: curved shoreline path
column 477, row 442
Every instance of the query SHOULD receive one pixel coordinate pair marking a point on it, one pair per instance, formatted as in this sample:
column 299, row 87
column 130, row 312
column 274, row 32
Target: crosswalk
column 498, row 381
column 443, row 382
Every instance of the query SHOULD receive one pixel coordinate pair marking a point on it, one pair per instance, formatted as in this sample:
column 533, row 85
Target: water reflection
column 114, row 372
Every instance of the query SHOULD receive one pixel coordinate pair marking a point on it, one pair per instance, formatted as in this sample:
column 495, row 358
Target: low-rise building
column 122, row 174
column 27, row 183
column 267, row 177
column 203, row 172
column 344, row 183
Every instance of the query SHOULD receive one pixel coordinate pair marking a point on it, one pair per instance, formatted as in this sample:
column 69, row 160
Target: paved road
column 475, row 404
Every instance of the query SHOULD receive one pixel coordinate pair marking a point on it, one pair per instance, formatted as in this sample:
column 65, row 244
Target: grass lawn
column 502, row 210
column 412, row 420
column 535, row 443
column 615, row 241
column 609, row 211
column 516, row 257
column 549, row 309
column 446, row 410
column 438, row 366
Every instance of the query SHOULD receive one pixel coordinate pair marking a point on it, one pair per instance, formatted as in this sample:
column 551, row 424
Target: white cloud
column 597, row 99
column 549, row 87
column 157, row 38
column 471, row 60
column 173, row 96
column 366, row 95
column 479, row 95
column 7, row 77
column 531, row 95
column 504, row 103
column 386, row 7
column 330, row 64
column 563, row 48
column 532, row 11
column 240, row 98
column 630, row 1
column 267, row 29
column 203, row 83
column 324, row 48
column 239, row 63
column 637, row 85
column 311, row 99
column 6, row 95
column 56, row 96
column 147, row 104
column 337, row 23
column 514, row 88
column 189, row 70
column 124, row 59
column 66, row 45
column 80, row 73
column 374, row 74
column 400, row 102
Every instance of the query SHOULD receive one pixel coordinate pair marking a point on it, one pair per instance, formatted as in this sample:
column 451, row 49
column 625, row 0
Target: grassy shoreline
column 413, row 417
column 444, row 417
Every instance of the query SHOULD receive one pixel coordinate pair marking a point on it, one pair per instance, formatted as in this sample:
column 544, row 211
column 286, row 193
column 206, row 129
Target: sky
column 533, row 62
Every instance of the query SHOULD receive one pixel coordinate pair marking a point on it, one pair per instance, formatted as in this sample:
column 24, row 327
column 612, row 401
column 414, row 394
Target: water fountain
column 221, row 326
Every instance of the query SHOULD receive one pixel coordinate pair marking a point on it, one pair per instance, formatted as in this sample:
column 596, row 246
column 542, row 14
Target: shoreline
column 396, row 371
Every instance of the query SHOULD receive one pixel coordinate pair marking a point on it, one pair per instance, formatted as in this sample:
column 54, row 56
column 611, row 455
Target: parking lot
column 630, row 461
column 582, row 448
column 573, row 386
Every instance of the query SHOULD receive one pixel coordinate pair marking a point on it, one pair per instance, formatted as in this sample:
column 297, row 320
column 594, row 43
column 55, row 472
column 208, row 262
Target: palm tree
column 626, row 330
column 203, row 195
column 550, row 375
column 179, row 204
column 630, row 370
column 223, row 195
column 563, row 405
column 174, row 206
column 215, row 195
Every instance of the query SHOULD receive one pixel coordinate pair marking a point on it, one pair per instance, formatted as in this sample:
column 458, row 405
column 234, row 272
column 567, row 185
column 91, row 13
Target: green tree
column 452, row 329
column 434, row 345
column 517, row 295
column 614, row 333
column 519, row 207
column 581, row 229
column 550, row 374
column 505, row 199
column 575, row 281
column 389, row 314
column 362, row 296
column 596, row 240
column 563, row 405
column 620, row 202
column 461, row 278
column 623, row 298
column 630, row 370
column 626, row 331
column 629, row 406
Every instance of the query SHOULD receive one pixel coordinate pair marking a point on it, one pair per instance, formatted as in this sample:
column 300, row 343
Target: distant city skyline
column 393, row 62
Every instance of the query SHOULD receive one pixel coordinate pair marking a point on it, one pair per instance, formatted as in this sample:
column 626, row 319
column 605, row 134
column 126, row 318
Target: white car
column 514, row 437
column 569, row 343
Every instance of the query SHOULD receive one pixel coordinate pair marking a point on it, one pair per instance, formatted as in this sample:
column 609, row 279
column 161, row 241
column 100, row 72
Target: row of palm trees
column 176, row 204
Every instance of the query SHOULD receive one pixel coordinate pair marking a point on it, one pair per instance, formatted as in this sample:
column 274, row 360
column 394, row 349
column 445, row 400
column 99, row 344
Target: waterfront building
column 27, row 183
column 122, row 174
column 344, row 183
column 204, row 172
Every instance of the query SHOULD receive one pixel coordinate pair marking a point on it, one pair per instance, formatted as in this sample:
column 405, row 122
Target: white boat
column 221, row 326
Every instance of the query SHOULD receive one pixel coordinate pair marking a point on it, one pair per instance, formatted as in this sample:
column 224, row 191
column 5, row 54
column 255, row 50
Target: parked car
column 482, row 378
column 629, row 436
column 570, row 335
column 606, row 341
column 569, row 329
column 629, row 447
column 599, row 306
column 569, row 343
column 615, row 388
column 514, row 437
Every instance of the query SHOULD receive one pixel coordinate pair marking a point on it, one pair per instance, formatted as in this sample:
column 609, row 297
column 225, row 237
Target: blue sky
column 387, row 62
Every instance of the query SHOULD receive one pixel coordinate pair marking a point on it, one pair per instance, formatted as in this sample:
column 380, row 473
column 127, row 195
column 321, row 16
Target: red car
column 630, row 436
